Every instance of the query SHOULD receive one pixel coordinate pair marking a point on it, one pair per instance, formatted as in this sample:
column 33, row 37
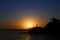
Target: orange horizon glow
column 28, row 23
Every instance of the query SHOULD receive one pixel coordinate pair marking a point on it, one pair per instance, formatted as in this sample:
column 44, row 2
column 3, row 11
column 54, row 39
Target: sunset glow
column 24, row 14
column 28, row 23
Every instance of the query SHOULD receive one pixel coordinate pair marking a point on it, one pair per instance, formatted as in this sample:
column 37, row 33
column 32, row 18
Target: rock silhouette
column 35, row 30
column 52, row 27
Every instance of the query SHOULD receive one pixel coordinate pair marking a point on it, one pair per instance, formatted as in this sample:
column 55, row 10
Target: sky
column 14, row 11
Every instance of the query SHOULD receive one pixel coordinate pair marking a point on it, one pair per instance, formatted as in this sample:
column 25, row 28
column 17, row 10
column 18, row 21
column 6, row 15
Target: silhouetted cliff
column 52, row 27
column 35, row 30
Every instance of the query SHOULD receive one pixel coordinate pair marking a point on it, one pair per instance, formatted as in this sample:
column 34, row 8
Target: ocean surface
column 14, row 35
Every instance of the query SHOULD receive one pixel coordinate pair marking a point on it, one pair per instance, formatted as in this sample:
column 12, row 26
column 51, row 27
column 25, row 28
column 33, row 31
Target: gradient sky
column 13, row 11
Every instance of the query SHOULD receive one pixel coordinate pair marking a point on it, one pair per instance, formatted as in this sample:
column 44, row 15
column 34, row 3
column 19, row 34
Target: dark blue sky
column 11, row 10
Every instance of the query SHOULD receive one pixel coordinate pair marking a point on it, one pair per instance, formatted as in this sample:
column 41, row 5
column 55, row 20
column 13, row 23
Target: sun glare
column 29, row 25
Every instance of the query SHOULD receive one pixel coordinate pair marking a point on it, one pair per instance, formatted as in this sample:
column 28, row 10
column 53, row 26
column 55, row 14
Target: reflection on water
column 23, row 37
column 18, row 36
column 27, row 37
column 13, row 36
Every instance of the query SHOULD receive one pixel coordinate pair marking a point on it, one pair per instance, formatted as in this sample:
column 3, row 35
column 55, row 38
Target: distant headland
column 52, row 28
